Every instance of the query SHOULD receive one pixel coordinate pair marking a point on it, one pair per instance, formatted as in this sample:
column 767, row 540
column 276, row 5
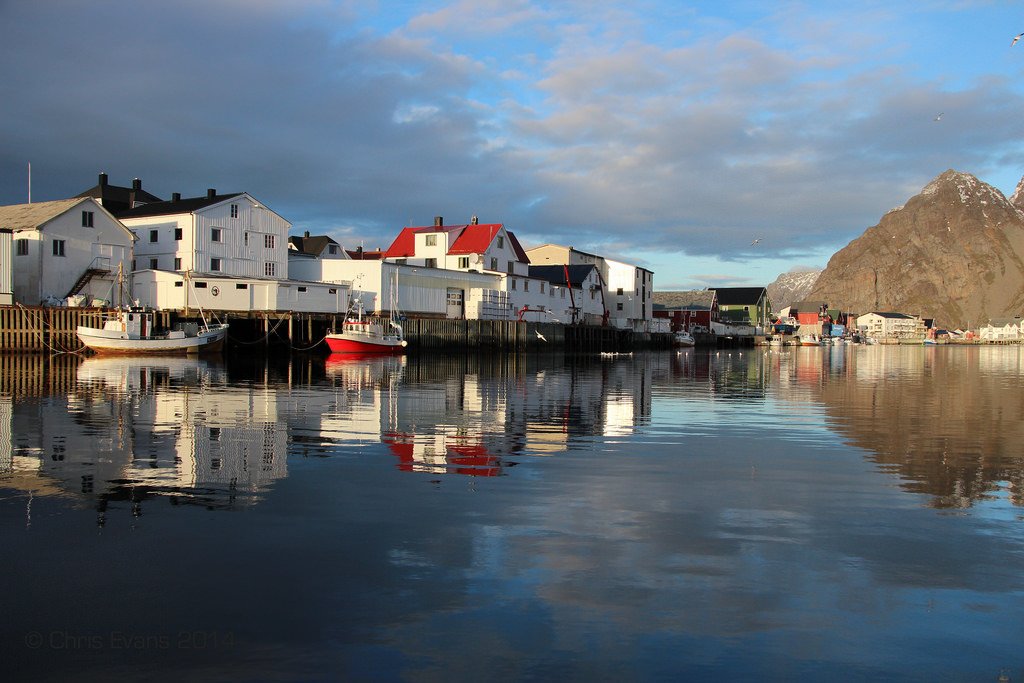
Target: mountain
column 954, row 252
column 791, row 287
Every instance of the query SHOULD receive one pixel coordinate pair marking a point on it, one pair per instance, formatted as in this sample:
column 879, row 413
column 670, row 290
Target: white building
column 166, row 290
column 218, row 234
column 627, row 289
column 887, row 325
column 65, row 248
column 1002, row 329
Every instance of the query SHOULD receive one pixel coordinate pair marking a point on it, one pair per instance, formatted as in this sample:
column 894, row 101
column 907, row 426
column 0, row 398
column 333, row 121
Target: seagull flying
column 1015, row 39
column 756, row 240
column 540, row 336
column 939, row 116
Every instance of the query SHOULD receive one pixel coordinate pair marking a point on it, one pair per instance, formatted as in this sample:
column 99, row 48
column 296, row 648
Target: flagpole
column 30, row 182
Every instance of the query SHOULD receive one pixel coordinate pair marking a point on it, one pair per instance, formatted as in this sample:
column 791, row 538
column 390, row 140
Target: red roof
column 471, row 239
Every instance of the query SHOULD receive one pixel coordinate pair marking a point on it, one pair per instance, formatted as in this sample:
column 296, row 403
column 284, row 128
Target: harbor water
column 849, row 513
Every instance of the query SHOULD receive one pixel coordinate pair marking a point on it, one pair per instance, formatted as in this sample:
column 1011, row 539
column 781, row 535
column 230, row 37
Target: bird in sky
column 939, row 116
column 1016, row 38
column 540, row 336
column 757, row 240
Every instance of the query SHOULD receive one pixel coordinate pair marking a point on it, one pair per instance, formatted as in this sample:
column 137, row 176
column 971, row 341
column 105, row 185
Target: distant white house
column 65, row 248
column 1002, row 329
column 888, row 325
column 627, row 289
column 229, row 234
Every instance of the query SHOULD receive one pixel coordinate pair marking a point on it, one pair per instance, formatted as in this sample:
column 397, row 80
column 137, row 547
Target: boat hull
column 346, row 343
column 105, row 343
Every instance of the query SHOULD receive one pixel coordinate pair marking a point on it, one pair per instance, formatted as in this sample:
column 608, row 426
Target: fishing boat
column 367, row 335
column 132, row 331
column 683, row 339
column 809, row 340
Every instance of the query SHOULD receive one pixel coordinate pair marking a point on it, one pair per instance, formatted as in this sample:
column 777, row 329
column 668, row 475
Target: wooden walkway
column 40, row 329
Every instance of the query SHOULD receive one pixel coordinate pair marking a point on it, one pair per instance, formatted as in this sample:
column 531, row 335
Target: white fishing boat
column 132, row 331
column 683, row 339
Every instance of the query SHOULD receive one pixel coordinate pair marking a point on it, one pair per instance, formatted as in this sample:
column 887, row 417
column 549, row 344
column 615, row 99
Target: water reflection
column 946, row 421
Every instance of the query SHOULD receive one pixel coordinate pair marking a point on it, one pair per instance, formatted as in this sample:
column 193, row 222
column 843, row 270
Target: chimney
column 211, row 193
column 307, row 233
column 175, row 196
column 136, row 184
column 438, row 221
column 103, row 179
column 474, row 220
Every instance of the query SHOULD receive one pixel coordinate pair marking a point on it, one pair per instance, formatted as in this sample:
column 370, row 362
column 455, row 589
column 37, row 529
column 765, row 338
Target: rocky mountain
column 954, row 252
column 791, row 287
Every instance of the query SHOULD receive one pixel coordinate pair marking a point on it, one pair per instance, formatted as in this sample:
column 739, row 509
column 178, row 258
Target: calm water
column 818, row 514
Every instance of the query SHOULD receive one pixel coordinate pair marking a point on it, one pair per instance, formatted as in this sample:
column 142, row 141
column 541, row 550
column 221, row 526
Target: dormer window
column 501, row 241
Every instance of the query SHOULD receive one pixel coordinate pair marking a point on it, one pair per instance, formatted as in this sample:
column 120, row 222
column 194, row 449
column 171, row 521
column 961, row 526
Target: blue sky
column 661, row 133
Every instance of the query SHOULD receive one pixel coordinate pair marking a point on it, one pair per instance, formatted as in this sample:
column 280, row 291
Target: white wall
column 164, row 290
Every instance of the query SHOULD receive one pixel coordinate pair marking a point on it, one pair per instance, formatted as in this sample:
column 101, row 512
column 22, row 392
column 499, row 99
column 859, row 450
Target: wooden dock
column 38, row 329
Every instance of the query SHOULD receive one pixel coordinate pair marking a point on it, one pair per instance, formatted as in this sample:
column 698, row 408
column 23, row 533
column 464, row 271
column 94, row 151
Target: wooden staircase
column 84, row 278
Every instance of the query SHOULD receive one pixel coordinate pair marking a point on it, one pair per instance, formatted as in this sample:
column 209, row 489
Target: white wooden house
column 485, row 248
column 1002, row 329
column 627, row 290
column 65, row 248
column 229, row 234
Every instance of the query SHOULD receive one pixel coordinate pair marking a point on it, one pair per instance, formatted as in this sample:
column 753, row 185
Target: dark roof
column 360, row 254
column 578, row 274
column 117, row 199
column 738, row 296
column 187, row 205
column 686, row 300
column 807, row 306
column 313, row 246
column 890, row 314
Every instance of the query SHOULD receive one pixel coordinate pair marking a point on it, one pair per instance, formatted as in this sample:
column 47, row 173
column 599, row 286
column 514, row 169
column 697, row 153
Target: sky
column 672, row 135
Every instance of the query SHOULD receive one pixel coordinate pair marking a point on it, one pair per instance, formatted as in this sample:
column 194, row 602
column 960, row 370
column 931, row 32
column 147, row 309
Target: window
column 246, row 239
column 22, row 247
column 513, row 283
column 431, row 263
column 619, row 291
column 526, row 285
column 542, row 288
column 177, row 234
column 177, row 264
column 200, row 285
column 215, row 234
column 154, row 264
column 268, row 241
column 241, row 285
column 501, row 241
column 463, row 262
column 302, row 289
column 431, row 240
column 87, row 219
column 133, row 264
column 58, row 247
column 618, row 306
column 494, row 264
column 511, row 267
column 332, row 249
column 234, row 210
column 215, row 265
column 332, row 290
column 154, row 235
column 269, row 269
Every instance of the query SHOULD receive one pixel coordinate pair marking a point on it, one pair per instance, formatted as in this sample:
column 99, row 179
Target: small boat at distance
column 132, row 332
column 809, row 340
column 367, row 335
column 683, row 339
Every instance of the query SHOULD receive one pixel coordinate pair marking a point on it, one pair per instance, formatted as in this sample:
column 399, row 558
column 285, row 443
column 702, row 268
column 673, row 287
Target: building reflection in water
column 119, row 432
